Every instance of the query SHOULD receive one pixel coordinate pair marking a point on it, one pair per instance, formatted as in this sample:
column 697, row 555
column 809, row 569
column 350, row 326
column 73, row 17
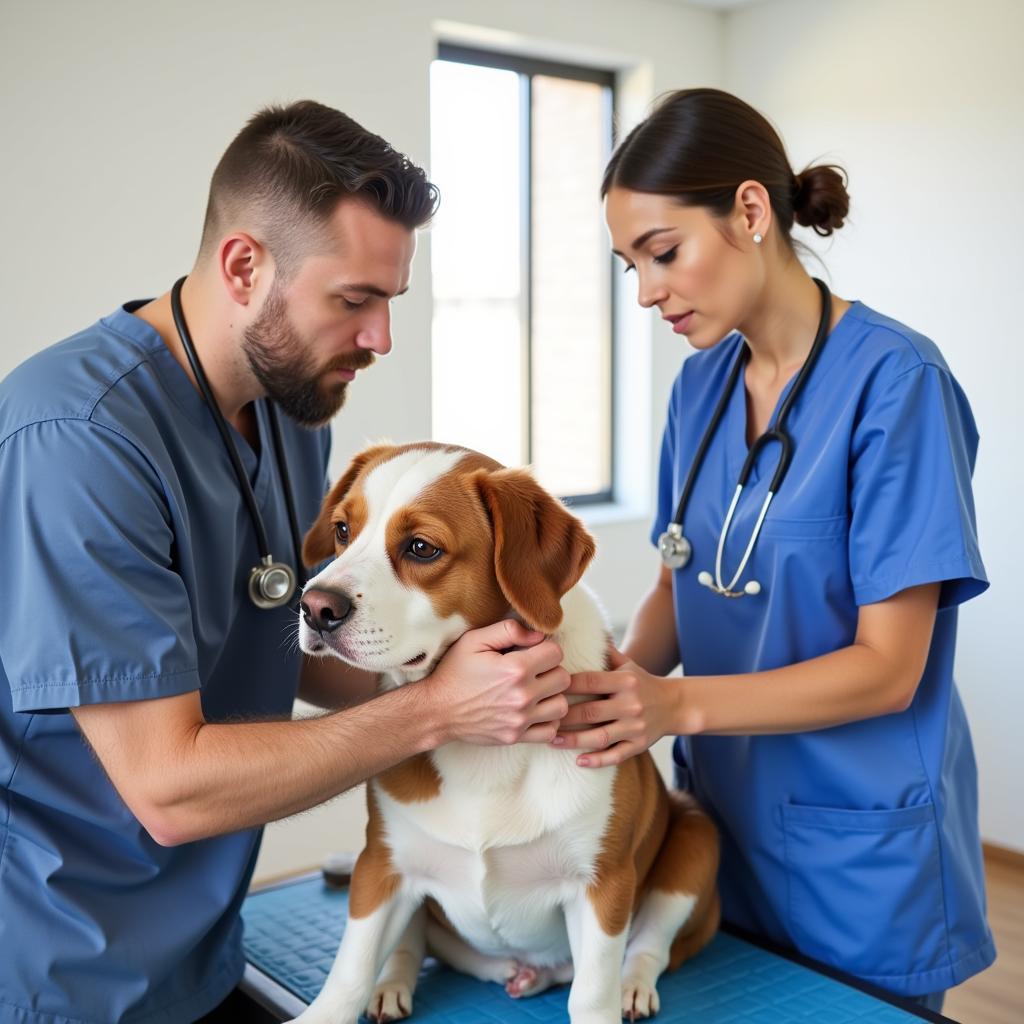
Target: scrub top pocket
column 865, row 890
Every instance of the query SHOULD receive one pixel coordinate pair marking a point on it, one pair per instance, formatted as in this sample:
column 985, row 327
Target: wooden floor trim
column 995, row 854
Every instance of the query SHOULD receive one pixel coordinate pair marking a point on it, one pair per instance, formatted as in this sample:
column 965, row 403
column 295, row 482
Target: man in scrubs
column 125, row 552
column 818, row 720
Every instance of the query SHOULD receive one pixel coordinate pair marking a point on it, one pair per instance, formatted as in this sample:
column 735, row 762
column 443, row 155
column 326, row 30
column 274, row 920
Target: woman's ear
column 540, row 548
column 319, row 541
column 752, row 209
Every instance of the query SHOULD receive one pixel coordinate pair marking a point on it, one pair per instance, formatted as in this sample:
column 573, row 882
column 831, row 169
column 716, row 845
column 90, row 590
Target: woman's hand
column 631, row 711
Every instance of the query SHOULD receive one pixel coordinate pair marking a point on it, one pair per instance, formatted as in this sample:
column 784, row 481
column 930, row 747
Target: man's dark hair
column 287, row 169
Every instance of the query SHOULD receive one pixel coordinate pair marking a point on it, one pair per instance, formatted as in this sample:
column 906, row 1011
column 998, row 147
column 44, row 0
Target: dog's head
column 428, row 541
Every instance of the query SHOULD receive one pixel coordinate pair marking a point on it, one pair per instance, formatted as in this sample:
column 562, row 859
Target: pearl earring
column 757, row 239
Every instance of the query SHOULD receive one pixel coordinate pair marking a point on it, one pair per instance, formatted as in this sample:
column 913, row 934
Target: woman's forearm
column 650, row 640
column 875, row 675
column 844, row 686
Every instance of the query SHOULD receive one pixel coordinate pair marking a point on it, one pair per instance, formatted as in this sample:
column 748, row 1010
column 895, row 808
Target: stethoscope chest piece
column 271, row 584
column 675, row 549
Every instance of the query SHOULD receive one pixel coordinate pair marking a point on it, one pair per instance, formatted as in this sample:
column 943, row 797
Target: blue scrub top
column 858, row 845
column 124, row 560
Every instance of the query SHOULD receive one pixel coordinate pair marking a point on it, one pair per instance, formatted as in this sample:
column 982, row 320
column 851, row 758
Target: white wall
column 923, row 102
column 115, row 113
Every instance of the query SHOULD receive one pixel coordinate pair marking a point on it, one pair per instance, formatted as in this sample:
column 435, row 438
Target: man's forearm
column 242, row 774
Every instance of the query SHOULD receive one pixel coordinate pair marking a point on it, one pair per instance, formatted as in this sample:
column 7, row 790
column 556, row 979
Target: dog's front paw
column 390, row 1001
column 639, row 999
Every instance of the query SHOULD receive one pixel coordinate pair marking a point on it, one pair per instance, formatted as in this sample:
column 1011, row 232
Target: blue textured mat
column 292, row 934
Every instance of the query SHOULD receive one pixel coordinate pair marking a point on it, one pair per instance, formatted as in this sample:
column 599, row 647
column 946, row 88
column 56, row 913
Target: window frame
column 527, row 67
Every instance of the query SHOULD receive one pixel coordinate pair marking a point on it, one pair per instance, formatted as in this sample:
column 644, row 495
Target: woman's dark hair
column 289, row 166
column 698, row 145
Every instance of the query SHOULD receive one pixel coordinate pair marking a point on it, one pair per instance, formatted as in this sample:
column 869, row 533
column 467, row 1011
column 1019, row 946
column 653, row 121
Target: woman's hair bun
column 820, row 199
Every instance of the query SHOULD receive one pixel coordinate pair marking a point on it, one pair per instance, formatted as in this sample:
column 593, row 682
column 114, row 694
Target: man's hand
column 488, row 697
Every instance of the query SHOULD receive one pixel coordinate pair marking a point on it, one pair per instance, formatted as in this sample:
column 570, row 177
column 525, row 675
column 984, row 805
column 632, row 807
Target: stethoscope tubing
column 262, row 539
column 674, row 546
column 286, row 486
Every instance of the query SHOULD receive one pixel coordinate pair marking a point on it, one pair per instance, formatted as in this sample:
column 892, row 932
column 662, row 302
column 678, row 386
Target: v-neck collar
column 191, row 403
column 735, row 425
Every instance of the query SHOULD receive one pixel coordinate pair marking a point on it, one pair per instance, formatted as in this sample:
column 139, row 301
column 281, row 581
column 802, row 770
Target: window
column 522, row 331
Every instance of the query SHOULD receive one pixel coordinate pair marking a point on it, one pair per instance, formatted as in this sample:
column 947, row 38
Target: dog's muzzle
column 325, row 610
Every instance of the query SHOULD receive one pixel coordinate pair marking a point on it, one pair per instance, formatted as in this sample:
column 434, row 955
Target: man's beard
column 289, row 375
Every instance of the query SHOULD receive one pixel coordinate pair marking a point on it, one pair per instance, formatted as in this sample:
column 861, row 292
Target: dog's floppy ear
column 540, row 549
column 319, row 541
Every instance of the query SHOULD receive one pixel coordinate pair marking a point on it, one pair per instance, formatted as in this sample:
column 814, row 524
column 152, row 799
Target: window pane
column 477, row 337
column 571, row 307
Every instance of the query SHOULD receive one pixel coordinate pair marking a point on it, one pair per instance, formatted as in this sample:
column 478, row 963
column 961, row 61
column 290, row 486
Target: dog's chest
column 514, row 834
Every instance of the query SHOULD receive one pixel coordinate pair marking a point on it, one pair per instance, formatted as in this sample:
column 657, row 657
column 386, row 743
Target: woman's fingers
column 616, row 659
column 595, row 684
column 613, row 755
column 590, row 712
column 598, row 738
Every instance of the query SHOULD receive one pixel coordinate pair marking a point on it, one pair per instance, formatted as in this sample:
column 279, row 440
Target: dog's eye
column 423, row 550
column 341, row 532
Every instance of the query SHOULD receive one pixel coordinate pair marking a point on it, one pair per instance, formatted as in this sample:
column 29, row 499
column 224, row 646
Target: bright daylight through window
column 522, row 331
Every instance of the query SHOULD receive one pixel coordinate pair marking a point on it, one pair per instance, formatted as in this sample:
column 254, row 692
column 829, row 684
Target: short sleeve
column 912, row 511
column 666, row 499
column 94, row 609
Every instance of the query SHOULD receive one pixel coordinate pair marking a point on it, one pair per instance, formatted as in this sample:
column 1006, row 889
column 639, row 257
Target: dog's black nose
column 325, row 610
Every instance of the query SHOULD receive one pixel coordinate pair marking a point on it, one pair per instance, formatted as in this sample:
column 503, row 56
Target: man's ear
column 319, row 541
column 540, row 548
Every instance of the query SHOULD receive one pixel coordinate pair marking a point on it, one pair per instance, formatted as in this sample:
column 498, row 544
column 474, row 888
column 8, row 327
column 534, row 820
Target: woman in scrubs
column 817, row 719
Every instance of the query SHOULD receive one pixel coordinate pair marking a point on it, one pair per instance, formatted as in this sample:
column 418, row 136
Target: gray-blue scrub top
column 125, row 548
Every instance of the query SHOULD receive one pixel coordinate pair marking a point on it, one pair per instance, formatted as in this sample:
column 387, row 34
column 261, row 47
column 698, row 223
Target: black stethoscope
column 271, row 583
column 675, row 549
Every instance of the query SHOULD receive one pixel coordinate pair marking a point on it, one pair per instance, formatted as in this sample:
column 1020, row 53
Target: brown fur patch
column 448, row 513
column 630, row 844
column 374, row 879
column 319, row 541
column 656, row 840
column 688, row 859
column 540, row 548
column 688, row 863
column 415, row 780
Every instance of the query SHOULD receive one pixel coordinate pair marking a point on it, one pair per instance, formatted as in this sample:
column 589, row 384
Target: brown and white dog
column 509, row 863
